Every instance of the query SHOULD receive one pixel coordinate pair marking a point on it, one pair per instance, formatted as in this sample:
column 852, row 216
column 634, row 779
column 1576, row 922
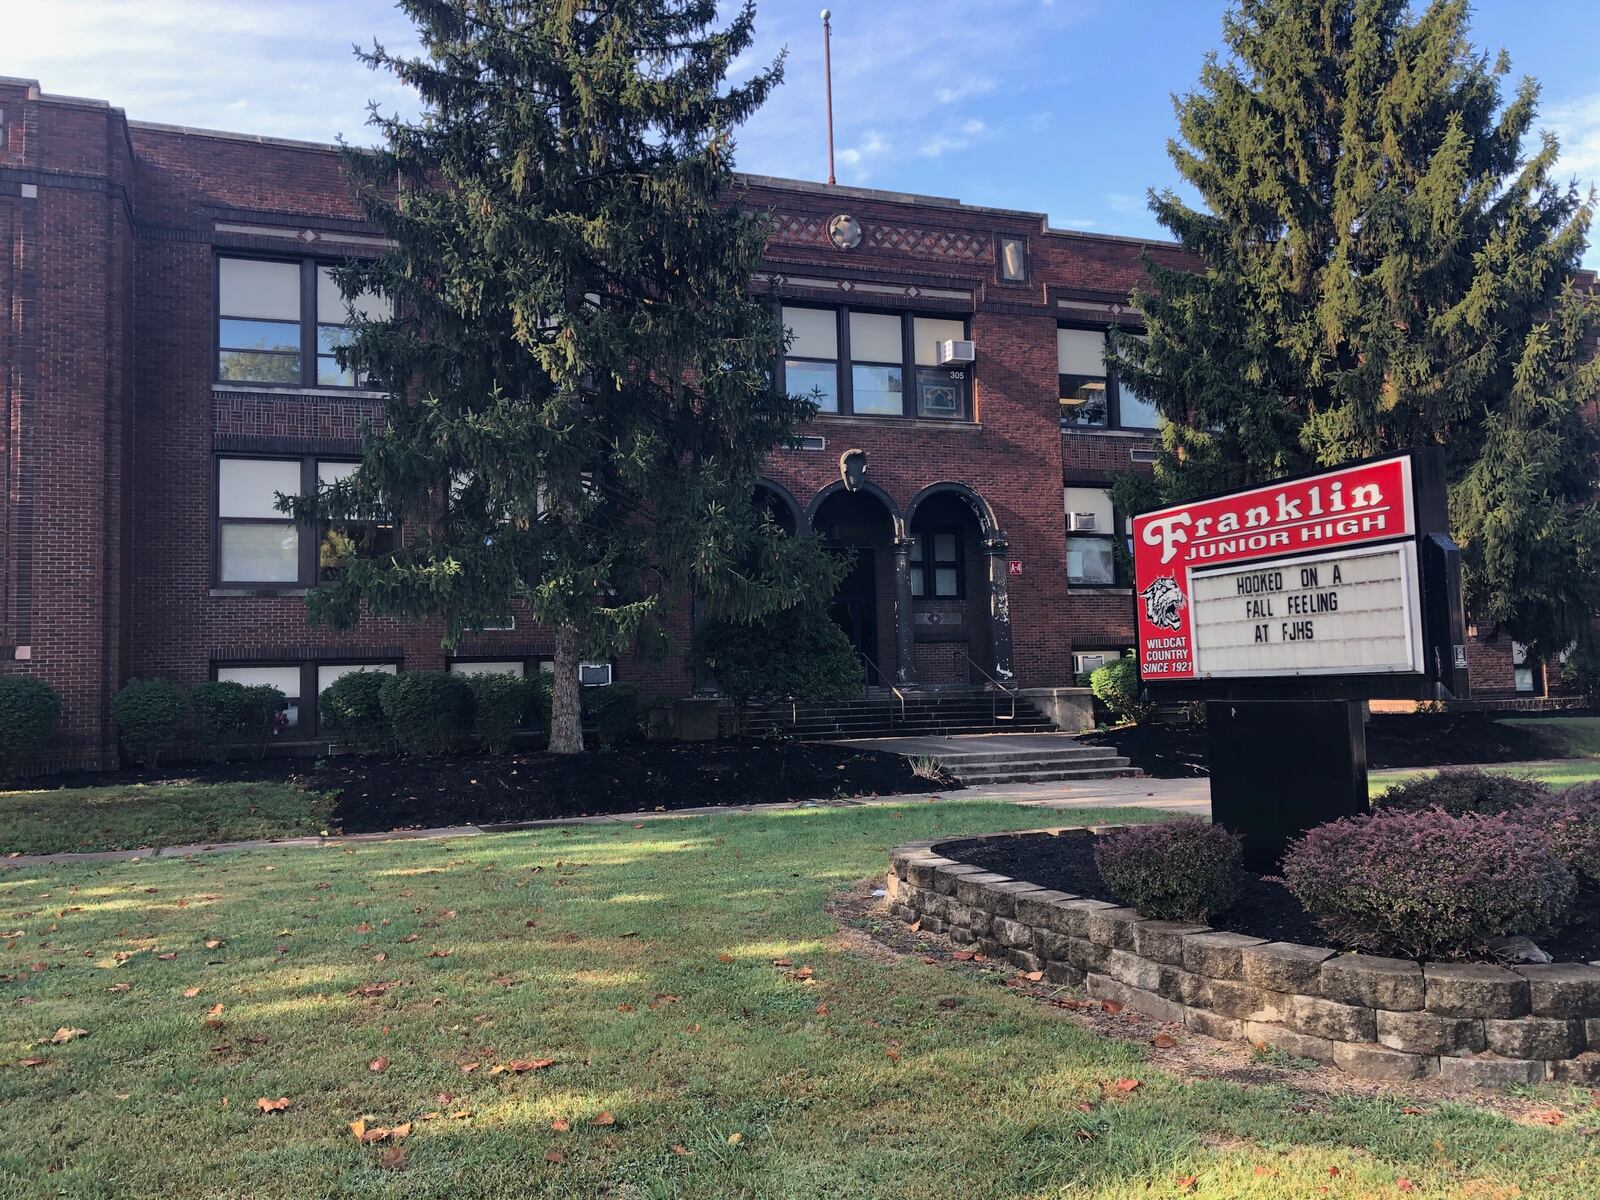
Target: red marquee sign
column 1336, row 510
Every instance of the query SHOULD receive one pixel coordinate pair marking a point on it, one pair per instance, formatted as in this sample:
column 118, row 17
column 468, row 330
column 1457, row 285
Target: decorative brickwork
column 1473, row 1024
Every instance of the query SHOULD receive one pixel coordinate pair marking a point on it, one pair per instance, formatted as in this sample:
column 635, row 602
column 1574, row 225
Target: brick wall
column 113, row 422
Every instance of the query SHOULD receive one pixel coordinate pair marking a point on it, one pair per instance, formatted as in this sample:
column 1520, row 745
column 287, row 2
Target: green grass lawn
column 135, row 816
column 639, row 961
column 1575, row 741
column 1570, row 737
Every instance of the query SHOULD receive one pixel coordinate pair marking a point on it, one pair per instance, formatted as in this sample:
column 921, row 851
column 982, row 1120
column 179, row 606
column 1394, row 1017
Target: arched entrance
column 777, row 502
column 865, row 523
column 960, row 607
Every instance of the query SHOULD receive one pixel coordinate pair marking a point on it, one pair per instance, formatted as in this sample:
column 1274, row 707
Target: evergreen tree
column 581, row 379
column 1383, row 267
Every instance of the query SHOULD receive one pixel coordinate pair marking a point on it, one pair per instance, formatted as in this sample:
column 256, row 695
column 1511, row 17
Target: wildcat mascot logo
column 1163, row 601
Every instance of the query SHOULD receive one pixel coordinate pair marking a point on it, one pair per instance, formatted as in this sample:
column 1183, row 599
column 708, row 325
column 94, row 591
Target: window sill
column 294, row 389
column 890, row 422
column 1100, row 589
column 1116, row 433
column 269, row 590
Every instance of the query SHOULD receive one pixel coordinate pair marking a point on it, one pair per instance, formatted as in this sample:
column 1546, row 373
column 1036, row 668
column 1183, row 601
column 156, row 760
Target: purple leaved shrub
column 1463, row 790
column 1184, row 870
column 1571, row 824
column 1428, row 884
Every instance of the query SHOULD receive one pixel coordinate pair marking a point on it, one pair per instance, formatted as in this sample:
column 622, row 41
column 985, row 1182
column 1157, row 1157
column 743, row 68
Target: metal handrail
column 1011, row 693
column 874, row 669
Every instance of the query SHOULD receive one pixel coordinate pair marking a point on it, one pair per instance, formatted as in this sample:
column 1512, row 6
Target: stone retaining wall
column 1382, row 1018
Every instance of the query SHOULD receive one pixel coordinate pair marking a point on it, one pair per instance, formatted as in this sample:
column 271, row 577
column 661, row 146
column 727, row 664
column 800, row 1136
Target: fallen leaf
column 469, row 1068
column 604, row 1118
column 271, row 1106
column 782, row 962
column 1111, row 1006
column 724, row 958
column 188, row 993
column 892, row 1055
column 214, row 943
column 1034, row 976
column 518, row 1065
column 560, row 1126
column 359, row 1128
column 915, row 926
column 64, row 1035
column 554, row 1156
column 677, row 1149
column 214, row 1011
column 822, row 1009
column 735, row 1138
column 1548, row 1116
column 949, row 1002
column 963, row 955
column 392, row 1159
column 1186, row 1183
column 1405, row 1185
column 625, row 1008
column 1163, row 1041
column 1085, row 1107
column 378, row 1064
column 123, row 987
column 1334, row 1172
column 1411, row 1111
column 168, row 957
column 32, row 1062
column 1127, row 1085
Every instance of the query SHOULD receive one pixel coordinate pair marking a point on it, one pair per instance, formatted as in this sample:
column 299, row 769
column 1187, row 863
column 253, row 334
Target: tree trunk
column 566, row 716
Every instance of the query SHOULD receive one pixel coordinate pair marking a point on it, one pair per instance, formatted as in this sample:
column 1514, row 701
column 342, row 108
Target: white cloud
column 1576, row 124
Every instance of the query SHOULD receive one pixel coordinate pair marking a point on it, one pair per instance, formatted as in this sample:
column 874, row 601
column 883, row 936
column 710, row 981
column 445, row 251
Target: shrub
column 29, row 709
column 1462, row 791
column 1428, row 884
column 428, row 712
column 149, row 716
column 539, row 699
column 1571, row 824
column 499, row 708
column 351, row 705
column 1116, row 685
column 797, row 653
column 1185, row 870
column 220, row 709
column 615, row 711
column 264, row 716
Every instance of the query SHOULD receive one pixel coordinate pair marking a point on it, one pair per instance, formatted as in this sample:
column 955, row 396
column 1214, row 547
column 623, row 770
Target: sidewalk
column 1191, row 796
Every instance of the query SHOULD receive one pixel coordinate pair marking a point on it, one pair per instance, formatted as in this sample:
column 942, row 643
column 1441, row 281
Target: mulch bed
column 1393, row 740
column 1265, row 908
column 381, row 794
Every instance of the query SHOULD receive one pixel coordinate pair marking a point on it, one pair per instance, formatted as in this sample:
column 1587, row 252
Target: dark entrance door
column 855, row 610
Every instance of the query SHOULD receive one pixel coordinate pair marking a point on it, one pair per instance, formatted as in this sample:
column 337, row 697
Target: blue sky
column 1055, row 106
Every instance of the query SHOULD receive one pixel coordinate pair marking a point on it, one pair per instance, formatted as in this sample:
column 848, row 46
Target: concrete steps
column 1026, row 765
column 922, row 715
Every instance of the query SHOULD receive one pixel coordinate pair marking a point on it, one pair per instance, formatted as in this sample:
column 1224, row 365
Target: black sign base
column 1277, row 769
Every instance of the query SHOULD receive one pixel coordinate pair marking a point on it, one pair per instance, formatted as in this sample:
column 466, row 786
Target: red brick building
column 163, row 313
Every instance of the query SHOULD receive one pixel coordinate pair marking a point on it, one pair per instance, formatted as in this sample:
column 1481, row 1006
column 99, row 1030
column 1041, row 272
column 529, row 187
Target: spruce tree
column 581, row 380
column 1382, row 264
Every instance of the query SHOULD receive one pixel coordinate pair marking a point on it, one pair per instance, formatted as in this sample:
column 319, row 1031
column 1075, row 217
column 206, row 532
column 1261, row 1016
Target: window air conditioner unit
column 1081, row 522
column 956, row 353
column 594, row 674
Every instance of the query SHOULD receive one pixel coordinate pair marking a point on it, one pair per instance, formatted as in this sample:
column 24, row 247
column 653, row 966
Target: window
column 285, row 679
column 259, row 546
column 936, row 565
column 812, row 365
column 349, row 539
column 279, row 321
column 877, row 364
column 874, row 364
column 301, row 683
column 505, row 667
column 1086, row 661
column 1522, row 668
column 941, row 391
column 257, row 543
column 1091, row 398
column 1091, row 537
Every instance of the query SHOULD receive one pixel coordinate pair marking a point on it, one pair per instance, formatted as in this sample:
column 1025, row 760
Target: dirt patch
column 375, row 795
column 867, row 928
column 1393, row 740
column 1265, row 908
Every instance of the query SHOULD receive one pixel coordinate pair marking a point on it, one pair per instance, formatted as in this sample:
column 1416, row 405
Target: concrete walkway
column 1176, row 795
column 972, row 743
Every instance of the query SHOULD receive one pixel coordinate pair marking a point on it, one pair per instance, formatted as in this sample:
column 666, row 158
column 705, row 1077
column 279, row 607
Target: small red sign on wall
column 1014, row 567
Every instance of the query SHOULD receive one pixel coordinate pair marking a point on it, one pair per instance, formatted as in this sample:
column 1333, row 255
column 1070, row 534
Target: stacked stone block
column 1474, row 1024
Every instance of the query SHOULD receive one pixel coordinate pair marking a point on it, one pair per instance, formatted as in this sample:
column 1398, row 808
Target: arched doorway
column 864, row 522
column 776, row 501
column 960, row 607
